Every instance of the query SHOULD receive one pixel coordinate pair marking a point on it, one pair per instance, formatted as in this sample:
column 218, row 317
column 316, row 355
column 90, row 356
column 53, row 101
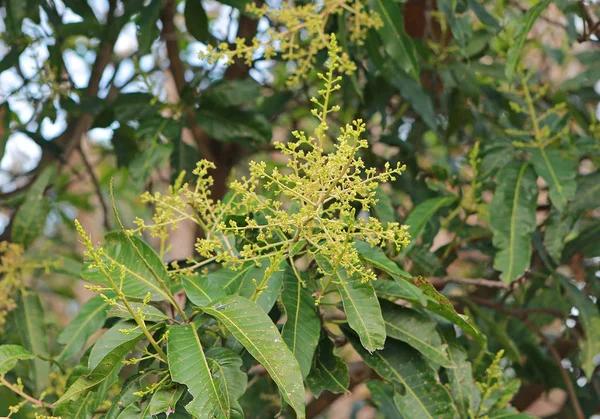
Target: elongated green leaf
column 302, row 327
column 512, row 219
column 590, row 318
column 196, row 21
column 461, row 377
column 250, row 325
column 225, row 366
column 231, row 124
column 416, row 329
column 201, row 291
column 556, row 232
column 397, row 43
column 509, row 413
column 421, row 215
column 376, row 258
column 30, row 218
column 10, row 355
column 230, row 281
column 122, row 257
column 189, row 366
column 127, row 396
column 165, row 399
column 29, row 318
column 360, row 305
column 89, row 320
column 108, row 366
column 558, row 172
column 232, row 92
column 423, row 396
column 147, row 29
column 588, row 190
column 328, row 372
column 112, row 339
column 524, row 26
column 382, row 395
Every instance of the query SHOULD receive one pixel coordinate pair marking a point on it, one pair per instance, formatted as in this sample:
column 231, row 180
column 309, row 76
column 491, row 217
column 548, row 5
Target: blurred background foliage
column 492, row 105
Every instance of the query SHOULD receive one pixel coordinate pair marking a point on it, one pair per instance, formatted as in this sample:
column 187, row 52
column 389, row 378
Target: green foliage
column 421, row 216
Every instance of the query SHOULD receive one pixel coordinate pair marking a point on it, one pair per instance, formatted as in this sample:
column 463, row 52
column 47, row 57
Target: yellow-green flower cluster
column 298, row 34
column 319, row 204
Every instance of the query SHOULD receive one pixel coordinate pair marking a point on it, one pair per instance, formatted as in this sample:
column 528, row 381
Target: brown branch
column 97, row 187
column 439, row 282
column 522, row 314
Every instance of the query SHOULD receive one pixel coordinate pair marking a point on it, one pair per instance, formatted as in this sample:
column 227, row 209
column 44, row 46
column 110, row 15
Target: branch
column 97, row 187
column 21, row 393
column 439, row 282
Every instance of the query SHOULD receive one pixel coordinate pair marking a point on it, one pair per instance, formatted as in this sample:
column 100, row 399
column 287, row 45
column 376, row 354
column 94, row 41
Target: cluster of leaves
column 305, row 265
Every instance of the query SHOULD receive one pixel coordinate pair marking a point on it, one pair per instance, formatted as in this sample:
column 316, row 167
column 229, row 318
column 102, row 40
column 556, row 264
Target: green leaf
column 558, row 227
column 421, row 215
column 89, row 320
column 268, row 297
column 360, row 305
column 232, row 124
column 232, row 93
column 590, row 319
column 228, row 279
column 509, row 413
column 112, row 339
column 512, row 219
column 201, row 290
column 183, row 157
column 302, row 326
column 196, row 21
column 225, row 365
column 147, row 30
column 382, row 395
column 461, row 377
column 251, row 326
column 30, row 218
column 165, row 399
column 588, row 190
column 103, row 370
column 188, row 365
column 416, row 329
column 423, row 396
column 126, row 396
column 29, row 318
column 147, row 162
column 524, row 26
column 150, row 313
column 383, row 209
column 558, row 172
column 375, row 257
column 395, row 40
column 328, row 372
column 10, row 355
column 121, row 256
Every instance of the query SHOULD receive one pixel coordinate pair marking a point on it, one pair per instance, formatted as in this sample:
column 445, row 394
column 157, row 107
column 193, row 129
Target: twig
column 521, row 314
column 26, row 396
column 440, row 281
column 97, row 187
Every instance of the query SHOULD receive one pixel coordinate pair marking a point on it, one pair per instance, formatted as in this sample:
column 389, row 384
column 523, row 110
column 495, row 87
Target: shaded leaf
column 588, row 190
column 196, row 21
column 461, row 377
column 165, row 399
column 556, row 232
column 10, row 355
column 422, row 214
column 234, row 125
column 188, row 365
column 89, row 320
column 150, row 313
column 147, row 31
column 251, row 326
column 512, row 219
column 382, row 395
column 328, row 372
column 232, row 92
column 201, row 291
column 558, row 172
column 225, row 366
column 302, row 326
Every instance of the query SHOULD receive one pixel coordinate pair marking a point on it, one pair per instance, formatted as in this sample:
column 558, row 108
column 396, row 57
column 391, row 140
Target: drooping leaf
column 302, row 327
column 590, row 318
column 423, row 396
column 201, row 290
column 421, row 215
column 558, row 172
column 30, row 218
column 382, row 395
column 10, row 355
column 127, row 396
column 376, row 258
column 29, row 318
column 397, row 43
column 588, row 190
column 196, row 21
column 459, row 378
column 512, row 219
column 328, row 372
column 360, row 305
column 251, row 326
column 188, row 365
column 225, row 366
column 89, row 320
column 416, row 329
column 524, row 26
column 121, row 255
column 558, row 228
column 165, row 399
column 232, row 124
